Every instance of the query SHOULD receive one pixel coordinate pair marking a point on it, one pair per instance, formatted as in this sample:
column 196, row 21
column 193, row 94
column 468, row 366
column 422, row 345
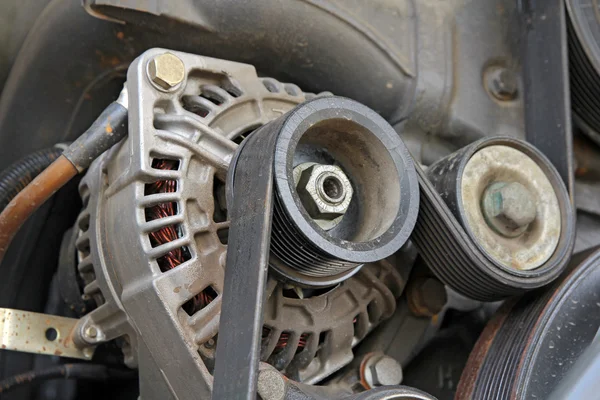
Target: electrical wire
column 90, row 372
column 108, row 129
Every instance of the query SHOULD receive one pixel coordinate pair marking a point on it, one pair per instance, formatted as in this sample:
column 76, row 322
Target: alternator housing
column 157, row 275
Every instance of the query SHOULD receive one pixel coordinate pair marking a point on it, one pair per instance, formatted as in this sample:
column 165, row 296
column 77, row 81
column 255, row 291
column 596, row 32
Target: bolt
column 502, row 84
column 271, row 385
column 210, row 344
column 166, row 70
column 382, row 370
column 426, row 297
column 91, row 332
column 325, row 192
column 508, row 208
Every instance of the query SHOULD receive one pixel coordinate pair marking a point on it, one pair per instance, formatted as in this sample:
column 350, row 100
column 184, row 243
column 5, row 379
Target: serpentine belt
column 443, row 243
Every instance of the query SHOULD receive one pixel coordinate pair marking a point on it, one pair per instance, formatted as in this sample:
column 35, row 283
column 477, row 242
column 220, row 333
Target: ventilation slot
column 374, row 312
column 197, row 105
column 296, row 292
column 322, row 342
column 271, row 85
column 216, row 100
column 292, row 90
column 200, row 301
column 167, row 233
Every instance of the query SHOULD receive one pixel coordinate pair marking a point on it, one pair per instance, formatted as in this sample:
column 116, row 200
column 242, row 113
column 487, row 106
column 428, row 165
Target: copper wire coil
column 169, row 233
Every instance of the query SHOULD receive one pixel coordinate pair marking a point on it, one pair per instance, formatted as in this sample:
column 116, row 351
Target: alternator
column 153, row 235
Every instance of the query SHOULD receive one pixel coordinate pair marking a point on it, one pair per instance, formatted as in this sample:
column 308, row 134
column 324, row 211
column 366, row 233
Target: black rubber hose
column 90, row 372
column 19, row 174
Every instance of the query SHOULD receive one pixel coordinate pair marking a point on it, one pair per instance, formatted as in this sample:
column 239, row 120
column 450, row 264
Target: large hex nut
column 325, row 191
column 166, row 71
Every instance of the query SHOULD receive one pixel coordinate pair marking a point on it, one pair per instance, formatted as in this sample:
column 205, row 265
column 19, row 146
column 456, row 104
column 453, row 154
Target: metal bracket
column 31, row 332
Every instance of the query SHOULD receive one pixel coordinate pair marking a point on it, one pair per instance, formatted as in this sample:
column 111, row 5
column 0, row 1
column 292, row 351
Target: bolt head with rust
column 166, row 71
column 509, row 208
column 325, row 192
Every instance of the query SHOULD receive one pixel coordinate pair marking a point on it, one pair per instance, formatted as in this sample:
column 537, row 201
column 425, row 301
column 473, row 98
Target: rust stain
column 58, row 353
column 108, row 128
column 3, row 346
column 120, row 35
column 177, row 289
column 44, row 348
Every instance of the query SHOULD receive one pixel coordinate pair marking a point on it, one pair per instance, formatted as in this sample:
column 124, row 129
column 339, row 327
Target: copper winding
column 169, row 233
column 31, row 198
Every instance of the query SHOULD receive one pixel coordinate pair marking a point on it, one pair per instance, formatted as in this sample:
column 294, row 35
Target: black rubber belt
column 251, row 213
column 441, row 240
column 459, row 262
column 546, row 82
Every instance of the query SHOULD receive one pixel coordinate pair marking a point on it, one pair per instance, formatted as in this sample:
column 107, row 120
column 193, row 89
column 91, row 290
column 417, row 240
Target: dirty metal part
column 508, row 208
column 514, row 181
column 394, row 393
column 325, row 192
column 502, row 83
column 40, row 334
column 377, row 369
column 426, row 296
column 321, row 329
column 451, row 222
column 533, row 341
column 380, row 215
column 262, row 170
column 166, row 71
column 131, row 290
column 273, row 386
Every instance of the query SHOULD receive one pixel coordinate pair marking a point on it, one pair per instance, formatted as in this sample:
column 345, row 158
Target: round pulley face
column 510, row 207
column 532, row 342
column 358, row 154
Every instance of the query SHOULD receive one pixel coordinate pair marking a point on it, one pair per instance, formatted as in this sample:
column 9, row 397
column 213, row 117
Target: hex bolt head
column 426, row 297
column 325, row 192
column 166, row 71
column 382, row 370
column 508, row 208
column 502, row 84
column 91, row 332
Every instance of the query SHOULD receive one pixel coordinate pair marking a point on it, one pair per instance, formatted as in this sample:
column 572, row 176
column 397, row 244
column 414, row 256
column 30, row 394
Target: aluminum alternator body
column 153, row 236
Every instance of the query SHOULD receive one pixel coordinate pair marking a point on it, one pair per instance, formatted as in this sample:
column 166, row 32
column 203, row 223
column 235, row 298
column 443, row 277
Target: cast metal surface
column 133, row 294
column 40, row 334
column 509, row 205
column 186, row 126
column 444, row 226
column 322, row 328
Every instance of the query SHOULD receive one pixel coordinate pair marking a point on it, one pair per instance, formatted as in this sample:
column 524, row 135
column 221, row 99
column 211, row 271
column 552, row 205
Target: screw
column 166, row 71
column 382, row 370
column 502, row 84
column 508, row 208
column 91, row 332
column 210, row 344
column 426, row 297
